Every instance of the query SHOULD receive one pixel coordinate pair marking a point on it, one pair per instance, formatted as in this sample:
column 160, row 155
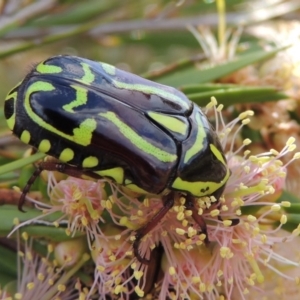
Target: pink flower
column 41, row 277
column 243, row 227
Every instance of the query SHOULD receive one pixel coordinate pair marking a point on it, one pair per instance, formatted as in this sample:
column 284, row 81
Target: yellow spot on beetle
column 90, row 162
column 44, row 146
column 172, row 123
column 137, row 140
column 135, row 188
column 25, row 136
column 117, row 174
column 66, row 155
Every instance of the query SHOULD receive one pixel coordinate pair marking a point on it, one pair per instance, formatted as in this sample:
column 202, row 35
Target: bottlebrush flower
column 41, row 277
column 244, row 228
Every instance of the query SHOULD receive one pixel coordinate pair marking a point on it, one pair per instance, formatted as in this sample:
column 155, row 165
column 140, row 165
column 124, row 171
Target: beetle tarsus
column 168, row 202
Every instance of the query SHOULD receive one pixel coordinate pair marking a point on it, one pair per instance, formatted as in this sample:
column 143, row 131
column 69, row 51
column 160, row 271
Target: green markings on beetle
column 220, row 158
column 82, row 135
column 88, row 76
column 203, row 188
column 117, row 174
column 90, row 162
column 66, row 155
column 138, row 141
column 152, row 90
column 109, row 69
column 198, row 144
column 44, row 146
column 48, row 69
column 171, row 123
column 81, row 99
column 197, row 188
column 12, row 96
column 25, row 136
column 133, row 187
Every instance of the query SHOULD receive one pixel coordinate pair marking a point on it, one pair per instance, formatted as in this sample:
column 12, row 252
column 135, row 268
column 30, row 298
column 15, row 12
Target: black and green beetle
column 105, row 122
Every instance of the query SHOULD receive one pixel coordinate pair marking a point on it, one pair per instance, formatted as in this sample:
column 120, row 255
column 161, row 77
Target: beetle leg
column 168, row 202
column 52, row 166
column 27, row 187
column 190, row 205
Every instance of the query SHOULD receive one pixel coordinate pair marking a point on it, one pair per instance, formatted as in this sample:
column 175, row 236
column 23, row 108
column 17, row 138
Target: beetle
column 104, row 122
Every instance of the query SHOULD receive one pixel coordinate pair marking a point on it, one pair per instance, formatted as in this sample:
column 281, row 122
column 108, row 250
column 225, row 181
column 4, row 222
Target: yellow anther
column 225, row 252
column 138, row 274
column 251, row 218
column 247, row 142
column 16, row 221
column 292, row 148
column 264, row 239
column 296, row 155
column 139, row 291
column 215, row 213
column 180, row 216
column 283, row 219
column 220, row 107
column 30, row 285
column 275, row 207
column 227, row 223
column 246, row 114
column 180, row 231
column 290, row 141
column 172, row 271
column 61, row 287
column 25, row 236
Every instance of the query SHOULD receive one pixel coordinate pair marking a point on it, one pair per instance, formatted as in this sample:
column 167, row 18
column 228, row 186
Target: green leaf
column 8, row 213
column 5, row 279
column 250, row 209
column 51, row 233
column 8, row 262
column 193, row 75
column 240, row 94
column 18, row 164
column 40, row 229
column 76, row 14
column 206, row 87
